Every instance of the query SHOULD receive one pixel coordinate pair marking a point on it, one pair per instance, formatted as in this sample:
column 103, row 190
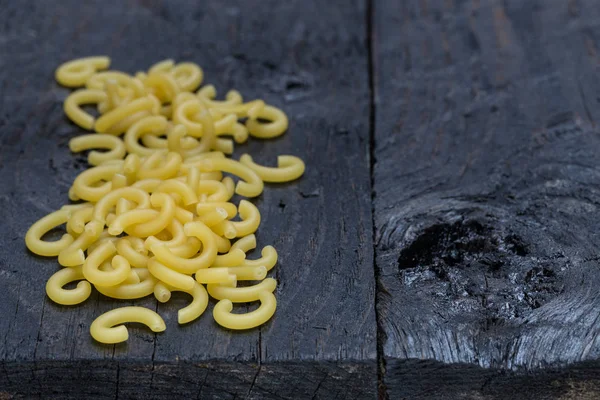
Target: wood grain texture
column 309, row 58
column 487, row 190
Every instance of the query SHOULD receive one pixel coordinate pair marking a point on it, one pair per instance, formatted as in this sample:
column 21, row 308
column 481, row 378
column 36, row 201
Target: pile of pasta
column 155, row 211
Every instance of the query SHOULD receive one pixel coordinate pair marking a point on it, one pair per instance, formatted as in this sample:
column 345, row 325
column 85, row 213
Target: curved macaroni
column 224, row 317
column 68, row 297
column 103, row 328
column 289, row 168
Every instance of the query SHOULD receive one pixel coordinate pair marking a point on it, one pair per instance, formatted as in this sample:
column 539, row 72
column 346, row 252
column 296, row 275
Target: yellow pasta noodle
column 224, row 317
column 68, row 297
column 76, row 72
column 33, row 238
column 73, row 104
column 251, row 186
column 103, row 328
column 241, row 294
column 289, row 168
column 98, row 141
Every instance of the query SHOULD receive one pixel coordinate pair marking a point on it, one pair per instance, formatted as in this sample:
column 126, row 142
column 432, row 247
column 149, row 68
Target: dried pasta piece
column 103, row 328
column 72, row 106
column 289, row 168
column 224, row 317
column 33, row 238
column 68, row 297
column 115, row 146
column 75, row 73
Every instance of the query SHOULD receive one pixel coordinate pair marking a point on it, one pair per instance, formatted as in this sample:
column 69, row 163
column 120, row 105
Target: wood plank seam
column 381, row 389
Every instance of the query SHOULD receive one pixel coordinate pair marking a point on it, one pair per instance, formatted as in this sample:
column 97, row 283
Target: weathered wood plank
column 309, row 58
column 486, row 186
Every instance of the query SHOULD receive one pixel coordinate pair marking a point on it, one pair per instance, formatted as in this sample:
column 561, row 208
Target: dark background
column 442, row 243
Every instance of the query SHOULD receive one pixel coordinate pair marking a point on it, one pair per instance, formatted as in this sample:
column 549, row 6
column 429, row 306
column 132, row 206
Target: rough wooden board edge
column 427, row 379
column 183, row 380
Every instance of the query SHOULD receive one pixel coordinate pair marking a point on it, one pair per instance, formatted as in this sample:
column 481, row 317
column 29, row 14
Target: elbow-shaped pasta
column 249, row 273
column 86, row 185
column 103, row 206
column 241, row 294
column 106, row 121
column 277, row 126
column 33, row 237
column 164, row 218
column 187, row 75
column 268, row 259
column 198, row 305
column 225, row 228
column 245, row 243
column 234, row 258
column 208, row 93
column 175, row 231
column 103, row 328
column 213, row 217
column 137, row 256
column 169, row 276
column 185, row 112
column 161, row 66
column 189, row 265
column 183, row 190
column 125, row 221
column 132, row 277
column 100, row 80
column 250, row 219
column 188, row 249
column 73, row 254
column 75, row 73
column 131, row 291
column 79, row 218
column 192, row 311
column 288, row 168
column 204, row 208
column 93, row 273
column 215, row 275
column 250, row 109
column 68, row 297
column 224, row 317
column 168, row 169
column 216, row 191
column 123, row 125
column 72, row 106
column 251, row 184
column 162, row 292
column 162, row 85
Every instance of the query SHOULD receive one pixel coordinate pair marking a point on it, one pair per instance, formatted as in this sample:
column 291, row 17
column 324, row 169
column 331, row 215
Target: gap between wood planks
column 381, row 389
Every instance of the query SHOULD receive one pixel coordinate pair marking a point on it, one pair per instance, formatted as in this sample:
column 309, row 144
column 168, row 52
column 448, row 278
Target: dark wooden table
column 443, row 243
